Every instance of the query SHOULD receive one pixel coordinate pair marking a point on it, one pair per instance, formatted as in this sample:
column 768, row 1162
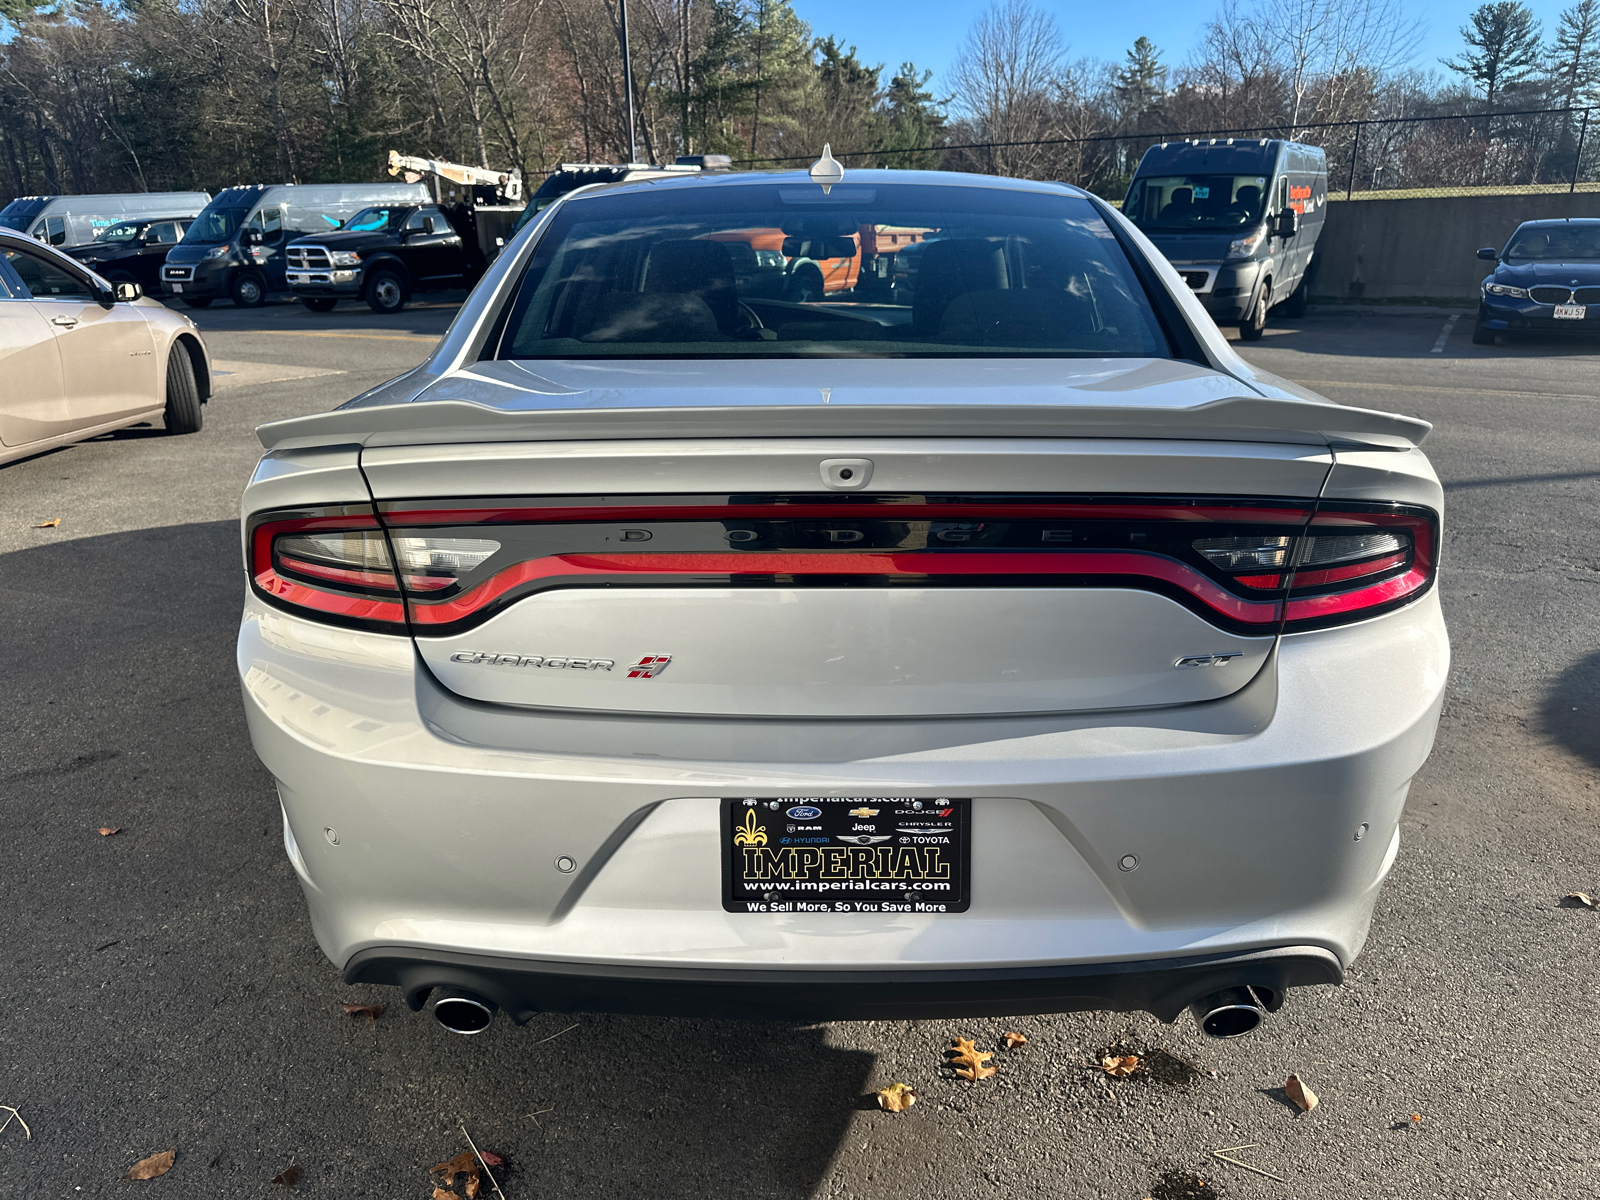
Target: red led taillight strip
column 337, row 604
column 940, row 564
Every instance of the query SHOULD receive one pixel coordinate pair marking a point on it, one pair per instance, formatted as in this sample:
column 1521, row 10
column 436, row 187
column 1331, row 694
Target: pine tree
column 1503, row 48
column 1575, row 58
column 1141, row 82
column 916, row 119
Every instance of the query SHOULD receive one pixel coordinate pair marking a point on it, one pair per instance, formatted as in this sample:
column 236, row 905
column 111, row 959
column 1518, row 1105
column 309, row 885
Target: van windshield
column 215, row 225
column 1196, row 203
column 885, row 271
column 19, row 214
column 1556, row 243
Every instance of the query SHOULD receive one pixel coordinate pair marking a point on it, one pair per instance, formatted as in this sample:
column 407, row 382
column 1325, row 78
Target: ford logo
column 804, row 812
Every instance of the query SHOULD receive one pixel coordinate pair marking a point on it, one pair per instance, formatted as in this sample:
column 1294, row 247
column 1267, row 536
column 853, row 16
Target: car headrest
column 693, row 267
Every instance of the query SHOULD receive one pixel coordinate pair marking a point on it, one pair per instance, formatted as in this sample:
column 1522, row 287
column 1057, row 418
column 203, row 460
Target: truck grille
column 307, row 258
column 177, row 274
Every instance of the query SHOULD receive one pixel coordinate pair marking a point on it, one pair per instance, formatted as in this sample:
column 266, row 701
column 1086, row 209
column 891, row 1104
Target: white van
column 78, row 220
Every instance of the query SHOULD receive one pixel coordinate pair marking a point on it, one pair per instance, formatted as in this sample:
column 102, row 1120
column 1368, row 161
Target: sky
column 929, row 32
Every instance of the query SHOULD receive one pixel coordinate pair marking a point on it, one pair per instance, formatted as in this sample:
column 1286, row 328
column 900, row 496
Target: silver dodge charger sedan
column 972, row 633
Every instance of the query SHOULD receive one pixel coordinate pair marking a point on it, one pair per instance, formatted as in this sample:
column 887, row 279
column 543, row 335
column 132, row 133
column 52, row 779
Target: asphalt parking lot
column 161, row 988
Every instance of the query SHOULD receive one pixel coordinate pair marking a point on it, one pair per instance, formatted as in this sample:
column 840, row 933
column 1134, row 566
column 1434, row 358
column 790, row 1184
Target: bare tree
column 1006, row 78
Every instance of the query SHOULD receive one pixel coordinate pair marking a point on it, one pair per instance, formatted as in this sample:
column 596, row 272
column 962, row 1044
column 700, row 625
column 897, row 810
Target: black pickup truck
column 383, row 255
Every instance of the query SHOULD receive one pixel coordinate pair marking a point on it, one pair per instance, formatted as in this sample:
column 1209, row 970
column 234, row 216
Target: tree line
column 97, row 95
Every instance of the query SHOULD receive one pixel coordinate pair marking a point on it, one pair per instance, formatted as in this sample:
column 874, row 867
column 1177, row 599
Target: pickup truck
column 383, row 255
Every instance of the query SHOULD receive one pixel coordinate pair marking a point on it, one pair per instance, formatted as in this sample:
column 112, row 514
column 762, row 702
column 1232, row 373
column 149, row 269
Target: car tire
column 805, row 284
column 1255, row 322
column 1299, row 300
column 318, row 303
column 249, row 290
column 198, row 303
column 386, row 292
column 1482, row 336
column 183, row 414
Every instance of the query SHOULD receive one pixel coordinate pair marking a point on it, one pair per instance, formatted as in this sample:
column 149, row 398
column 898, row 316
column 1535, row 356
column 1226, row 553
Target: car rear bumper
column 425, row 828
column 524, row 988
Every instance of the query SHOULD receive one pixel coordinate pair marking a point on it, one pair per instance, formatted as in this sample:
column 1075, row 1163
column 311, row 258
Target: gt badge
column 1207, row 660
column 649, row 666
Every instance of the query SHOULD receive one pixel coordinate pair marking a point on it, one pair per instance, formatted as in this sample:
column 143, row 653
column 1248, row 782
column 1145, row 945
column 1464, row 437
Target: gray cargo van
column 235, row 247
column 1238, row 219
column 78, row 220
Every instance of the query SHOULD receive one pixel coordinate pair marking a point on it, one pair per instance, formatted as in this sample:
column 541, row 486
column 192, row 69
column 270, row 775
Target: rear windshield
column 1558, row 243
column 782, row 271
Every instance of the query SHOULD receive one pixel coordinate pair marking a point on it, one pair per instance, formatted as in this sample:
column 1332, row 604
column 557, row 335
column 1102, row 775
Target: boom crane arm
column 509, row 182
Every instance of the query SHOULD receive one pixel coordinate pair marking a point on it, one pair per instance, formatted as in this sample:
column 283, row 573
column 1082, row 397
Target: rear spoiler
column 1245, row 419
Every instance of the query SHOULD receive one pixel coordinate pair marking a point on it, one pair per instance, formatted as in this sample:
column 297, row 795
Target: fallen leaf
column 1416, row 1118
column 969, row 1061
column 289, row 1176
column 370, row 1011
column 440, row 1194
column 897, row 1097
column 491, row 1159
column 1304, row 1098
column 1582, row 898
column 107, row 831
column 462, row 1164
column 50, row 524
column 1013, row 1039
column 1120, row 1066
column 153, row 1167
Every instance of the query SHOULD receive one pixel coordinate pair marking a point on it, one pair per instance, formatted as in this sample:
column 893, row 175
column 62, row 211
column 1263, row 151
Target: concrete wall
column 1425, row 248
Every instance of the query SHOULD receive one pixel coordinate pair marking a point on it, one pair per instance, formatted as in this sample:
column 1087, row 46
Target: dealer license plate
column 846, row 854
column 177, row 288
column 1571, row 312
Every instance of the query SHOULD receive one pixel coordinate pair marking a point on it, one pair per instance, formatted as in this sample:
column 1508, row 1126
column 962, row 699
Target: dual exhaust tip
column 1230, row 1013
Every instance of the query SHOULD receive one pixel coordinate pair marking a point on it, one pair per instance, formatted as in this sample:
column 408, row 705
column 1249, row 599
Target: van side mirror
column 251, row 237
column 1489, row 254
column 1287, row 223
column 427, row 224
column 127, row 293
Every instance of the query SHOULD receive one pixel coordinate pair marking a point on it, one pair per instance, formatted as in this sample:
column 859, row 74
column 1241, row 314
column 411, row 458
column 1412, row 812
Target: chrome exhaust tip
column 1230, row 1013
column 462, row 1012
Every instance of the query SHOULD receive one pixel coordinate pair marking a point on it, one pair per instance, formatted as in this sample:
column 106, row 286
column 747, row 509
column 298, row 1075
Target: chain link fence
column 1545, row 150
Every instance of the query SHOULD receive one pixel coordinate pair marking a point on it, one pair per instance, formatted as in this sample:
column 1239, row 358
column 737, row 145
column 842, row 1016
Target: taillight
column 1251, row 566
column 332, row 564
column 1351, row 562
column 1359, row 560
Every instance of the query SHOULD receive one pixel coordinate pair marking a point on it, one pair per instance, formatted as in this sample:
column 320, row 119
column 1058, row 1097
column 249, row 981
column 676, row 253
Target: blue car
column 1547, row 281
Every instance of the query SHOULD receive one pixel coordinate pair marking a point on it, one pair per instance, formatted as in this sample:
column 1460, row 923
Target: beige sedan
column 80, row 356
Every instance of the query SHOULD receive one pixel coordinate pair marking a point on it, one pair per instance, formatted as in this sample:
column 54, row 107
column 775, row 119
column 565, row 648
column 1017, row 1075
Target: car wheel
column 386, row 292
column 318, row 303
column 183, row 413
column 1255, row 324
column 1482, row 336
column 805, row 284
column 249, row 290
column 205, row 303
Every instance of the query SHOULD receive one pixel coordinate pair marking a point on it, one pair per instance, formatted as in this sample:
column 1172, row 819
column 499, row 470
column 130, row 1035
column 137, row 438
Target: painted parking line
column 1444, row 334
column 339, row 333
